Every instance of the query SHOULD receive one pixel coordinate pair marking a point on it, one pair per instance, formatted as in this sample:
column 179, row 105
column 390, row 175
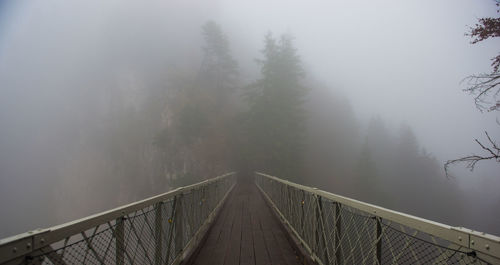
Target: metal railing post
column 120, row 241
column 316, row 226
column 217, row 184
column 321, row 229
column 289, row 203
column 158, row 233
column 179, row 225
column 379, row 242
column 338, row 232
column 171, row 221
column 302, row 214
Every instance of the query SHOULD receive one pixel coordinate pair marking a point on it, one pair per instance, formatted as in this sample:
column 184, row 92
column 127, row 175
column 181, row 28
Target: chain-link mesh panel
column 156, row 234
column 404, row 245
column 334, row 233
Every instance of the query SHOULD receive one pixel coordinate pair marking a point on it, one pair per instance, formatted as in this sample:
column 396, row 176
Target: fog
column 104, row 103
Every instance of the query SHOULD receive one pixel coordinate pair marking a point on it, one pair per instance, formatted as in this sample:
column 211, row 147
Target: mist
column 103, row 103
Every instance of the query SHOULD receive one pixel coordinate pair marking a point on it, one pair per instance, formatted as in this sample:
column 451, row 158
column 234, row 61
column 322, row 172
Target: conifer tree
column 275, row 119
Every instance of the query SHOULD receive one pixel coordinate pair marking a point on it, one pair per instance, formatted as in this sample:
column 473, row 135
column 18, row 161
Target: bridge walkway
column 246, row 232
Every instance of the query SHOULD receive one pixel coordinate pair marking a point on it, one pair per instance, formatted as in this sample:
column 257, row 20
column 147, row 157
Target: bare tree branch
column 484, row 86
column 493, row 153
column 494, row 144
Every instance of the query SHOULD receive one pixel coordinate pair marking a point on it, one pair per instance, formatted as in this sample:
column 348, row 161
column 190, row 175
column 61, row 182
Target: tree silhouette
column 274, row 122
column 485, row 88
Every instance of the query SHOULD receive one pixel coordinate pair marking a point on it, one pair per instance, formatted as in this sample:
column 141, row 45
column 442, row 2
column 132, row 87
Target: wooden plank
column 234, row 250
column 247, row 246
column 287, row 252
column 282, row 247
column 214, row 236
column 267, row 230
column 271, row 246
column 217, row 255
column 261, row 254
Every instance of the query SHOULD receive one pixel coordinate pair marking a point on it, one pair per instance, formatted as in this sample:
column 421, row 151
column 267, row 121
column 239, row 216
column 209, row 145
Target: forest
column 288, row 125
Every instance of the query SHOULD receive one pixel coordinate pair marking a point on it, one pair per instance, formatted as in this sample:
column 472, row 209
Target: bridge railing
column 163, row 229
column 333, row 229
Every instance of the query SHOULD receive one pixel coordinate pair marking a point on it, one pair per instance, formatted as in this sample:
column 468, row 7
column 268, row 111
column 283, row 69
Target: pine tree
column 196, row 141
column 219, row 69
column 275, row 120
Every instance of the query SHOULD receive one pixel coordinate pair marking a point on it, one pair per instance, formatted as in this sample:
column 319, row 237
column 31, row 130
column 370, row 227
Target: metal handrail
column 170, row 225
column 325, row 225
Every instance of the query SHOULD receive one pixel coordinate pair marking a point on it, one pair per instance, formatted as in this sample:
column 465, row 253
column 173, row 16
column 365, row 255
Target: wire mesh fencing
column 333, row 229
column 159, row 230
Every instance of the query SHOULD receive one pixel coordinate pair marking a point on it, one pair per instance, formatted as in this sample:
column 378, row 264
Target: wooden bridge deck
column 246, row 232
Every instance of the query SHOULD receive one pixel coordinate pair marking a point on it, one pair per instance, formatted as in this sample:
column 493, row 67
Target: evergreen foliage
column 195, row 141
column 274, row 122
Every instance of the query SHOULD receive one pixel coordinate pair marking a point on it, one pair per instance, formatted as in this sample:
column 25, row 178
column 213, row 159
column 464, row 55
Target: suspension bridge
column 258, row 220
